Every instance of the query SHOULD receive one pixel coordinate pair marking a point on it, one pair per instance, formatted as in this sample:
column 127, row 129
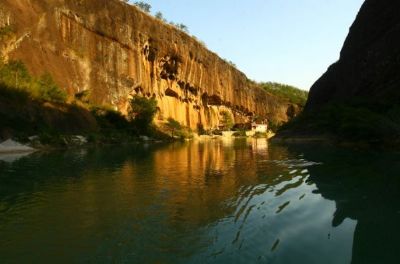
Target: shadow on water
column 365, row 186
column 219, row 201
column 29, row 172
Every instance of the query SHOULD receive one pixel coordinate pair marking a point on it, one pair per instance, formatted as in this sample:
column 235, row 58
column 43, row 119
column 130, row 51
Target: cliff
column 368, row 68
column 357, row 99
column 114, row 51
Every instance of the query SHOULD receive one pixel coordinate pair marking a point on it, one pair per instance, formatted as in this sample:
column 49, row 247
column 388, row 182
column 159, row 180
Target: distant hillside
column 293, row 94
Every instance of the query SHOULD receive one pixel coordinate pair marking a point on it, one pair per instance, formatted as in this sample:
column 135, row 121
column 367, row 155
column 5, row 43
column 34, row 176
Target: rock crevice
column 115, row 51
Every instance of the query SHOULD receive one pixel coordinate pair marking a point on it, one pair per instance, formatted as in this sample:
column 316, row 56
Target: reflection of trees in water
column 366, row 188
column 213, row 180
column 259, row 145
column 167, row 196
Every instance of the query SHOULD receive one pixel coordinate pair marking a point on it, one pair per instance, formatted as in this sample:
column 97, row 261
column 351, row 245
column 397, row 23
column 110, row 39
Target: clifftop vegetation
column 98, row 63
column 146, row 7
column 293, row 94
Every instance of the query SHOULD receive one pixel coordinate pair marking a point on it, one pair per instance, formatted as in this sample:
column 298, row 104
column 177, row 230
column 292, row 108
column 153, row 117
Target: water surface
column 218, row 201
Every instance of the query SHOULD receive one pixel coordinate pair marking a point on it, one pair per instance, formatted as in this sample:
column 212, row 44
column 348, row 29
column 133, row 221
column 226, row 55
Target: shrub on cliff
column 230, row 63
column 142, row 111
column 6, row 31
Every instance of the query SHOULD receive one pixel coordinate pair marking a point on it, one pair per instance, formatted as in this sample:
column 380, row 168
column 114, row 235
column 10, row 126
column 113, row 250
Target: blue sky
column 287, row 41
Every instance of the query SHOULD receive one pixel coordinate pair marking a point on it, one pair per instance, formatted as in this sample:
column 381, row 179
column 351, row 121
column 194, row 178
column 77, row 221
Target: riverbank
column 11, row 146
column 334, row 140
column 346, row 125
column 48, row 142
column 42, row 123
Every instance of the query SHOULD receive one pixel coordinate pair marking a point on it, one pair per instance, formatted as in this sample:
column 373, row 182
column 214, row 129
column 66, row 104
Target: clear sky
column 287, row 41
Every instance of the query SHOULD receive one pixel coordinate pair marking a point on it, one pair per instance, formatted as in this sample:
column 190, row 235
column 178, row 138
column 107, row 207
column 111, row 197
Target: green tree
column 182, row 27
column 144, row 6
column 173, row 126
column 15, row 74
column 200, row 129
column 159, row 15
column 48, row 89
column 226, row 120
column 142, row 112
column 232, row 64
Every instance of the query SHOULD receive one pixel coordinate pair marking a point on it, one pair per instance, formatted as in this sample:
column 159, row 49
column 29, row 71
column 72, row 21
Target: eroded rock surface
column 115, row 51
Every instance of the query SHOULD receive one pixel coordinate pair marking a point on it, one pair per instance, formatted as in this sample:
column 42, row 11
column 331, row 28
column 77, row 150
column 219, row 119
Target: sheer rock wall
column 115, row 51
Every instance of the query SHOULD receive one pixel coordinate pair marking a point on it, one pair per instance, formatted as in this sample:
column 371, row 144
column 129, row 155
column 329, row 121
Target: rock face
column 115, row 51
column 368, row 70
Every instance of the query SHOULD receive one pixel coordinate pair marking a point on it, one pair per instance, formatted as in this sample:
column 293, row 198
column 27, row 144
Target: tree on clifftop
column 159, row 15
column 144, row 6
column 182, row 27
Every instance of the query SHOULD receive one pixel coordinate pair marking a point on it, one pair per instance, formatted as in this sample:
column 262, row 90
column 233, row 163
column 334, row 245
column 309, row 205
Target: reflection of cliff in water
column 366, row 188
column 204, row 174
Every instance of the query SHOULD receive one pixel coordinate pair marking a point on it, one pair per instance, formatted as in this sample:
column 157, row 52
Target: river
column 214, row 201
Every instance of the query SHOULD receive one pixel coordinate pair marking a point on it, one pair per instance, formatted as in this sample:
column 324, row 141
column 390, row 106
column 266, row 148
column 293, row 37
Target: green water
column 232, row 201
